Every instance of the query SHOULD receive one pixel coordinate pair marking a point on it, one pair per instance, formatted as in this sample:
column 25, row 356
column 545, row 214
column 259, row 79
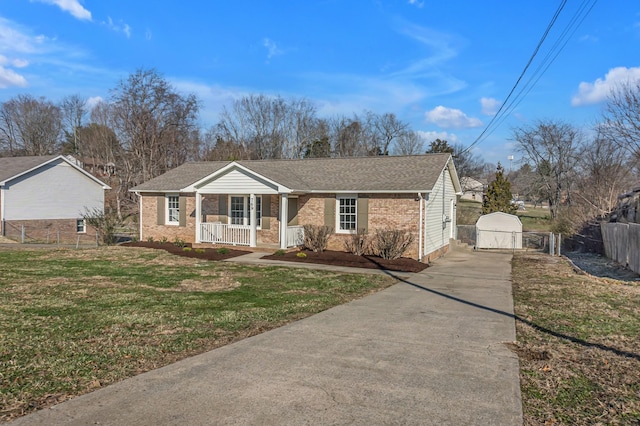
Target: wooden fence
column 622, row 244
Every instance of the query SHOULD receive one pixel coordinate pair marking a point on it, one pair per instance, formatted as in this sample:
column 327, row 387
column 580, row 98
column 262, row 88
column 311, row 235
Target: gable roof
column 417, row 173
column 14, row 167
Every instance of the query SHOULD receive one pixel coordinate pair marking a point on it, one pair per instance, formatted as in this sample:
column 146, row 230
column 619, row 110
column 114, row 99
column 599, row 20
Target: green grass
column 72, row 321
column 577, row 341
column 535, row 219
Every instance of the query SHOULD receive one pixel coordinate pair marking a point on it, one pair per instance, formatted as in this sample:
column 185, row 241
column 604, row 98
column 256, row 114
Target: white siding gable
column 54, row 191
column 440, row 201
column 238, row 181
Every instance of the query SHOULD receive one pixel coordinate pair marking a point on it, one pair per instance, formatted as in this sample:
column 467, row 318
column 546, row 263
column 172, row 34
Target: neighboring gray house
column 264, row 203
column 46, row 194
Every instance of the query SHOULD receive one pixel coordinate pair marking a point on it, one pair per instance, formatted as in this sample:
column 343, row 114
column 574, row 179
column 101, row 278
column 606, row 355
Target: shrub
column 164, row 240
column 357, row 243
column 179, row 242
column 301, row 255
column 149, row 239
column 200, row 250
column 279, row 252
column 316, row 237
column 223, row 250
column 105, row 222
column 391, row 243
column 186, row 248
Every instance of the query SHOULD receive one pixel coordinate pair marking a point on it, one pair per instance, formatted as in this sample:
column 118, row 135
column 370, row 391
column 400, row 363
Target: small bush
column 150, row 239
column 179, row 242
column 279, row 252
column 186, row 248
column 301, row 255
column 200, row 250
column 357, row 243
column 223, row 250
column 391, row 243
column 105, row 222
column 164, row 240
column 316, row 237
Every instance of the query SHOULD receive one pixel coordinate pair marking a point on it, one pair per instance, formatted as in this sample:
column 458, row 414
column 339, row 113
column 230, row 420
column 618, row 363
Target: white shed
column 499, row 231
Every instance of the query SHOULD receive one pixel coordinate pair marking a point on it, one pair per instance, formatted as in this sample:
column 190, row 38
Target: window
column 81, row 226
column 347, row 214
column 239, row 210
column 237, row 215
column 173, row 209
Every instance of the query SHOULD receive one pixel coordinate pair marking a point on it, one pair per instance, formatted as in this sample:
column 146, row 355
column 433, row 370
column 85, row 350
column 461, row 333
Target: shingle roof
column 13, row 166
column 361, row 174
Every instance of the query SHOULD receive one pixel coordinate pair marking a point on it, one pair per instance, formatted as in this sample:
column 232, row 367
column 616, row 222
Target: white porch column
column 253, row 236
column 284, row 220
column 198, row 216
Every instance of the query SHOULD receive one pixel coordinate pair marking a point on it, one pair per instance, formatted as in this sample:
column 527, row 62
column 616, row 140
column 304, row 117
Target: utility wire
column 509, row 105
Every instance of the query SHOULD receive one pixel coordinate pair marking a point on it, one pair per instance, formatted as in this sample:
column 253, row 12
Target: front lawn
column 75, row 320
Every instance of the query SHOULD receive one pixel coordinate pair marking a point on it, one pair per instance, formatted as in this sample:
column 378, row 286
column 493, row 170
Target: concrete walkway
column 427, row 351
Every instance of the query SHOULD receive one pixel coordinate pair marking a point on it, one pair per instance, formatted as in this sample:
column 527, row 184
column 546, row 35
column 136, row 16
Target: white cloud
column 93, row 101
column 119, row 27
column 489, row 106
column 272, row 48
column 451, row 118
column 429, row 137
column 416, row 3
column 599, row 91
column 72, row 6
column 9, row 78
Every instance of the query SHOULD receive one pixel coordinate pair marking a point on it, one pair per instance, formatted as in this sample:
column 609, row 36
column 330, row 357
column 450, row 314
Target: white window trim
column 247, row 200
column 342, row 197
column 166, row 211
column 84, row 226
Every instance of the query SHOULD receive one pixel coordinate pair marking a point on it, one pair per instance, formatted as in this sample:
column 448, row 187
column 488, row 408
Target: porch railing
column 222, row 233
column 295, row 236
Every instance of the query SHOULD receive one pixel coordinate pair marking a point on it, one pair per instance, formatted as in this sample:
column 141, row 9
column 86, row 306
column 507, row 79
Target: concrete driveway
column 427, row 351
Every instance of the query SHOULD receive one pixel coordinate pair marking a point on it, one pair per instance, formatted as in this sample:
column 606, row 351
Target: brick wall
column 49, row 231
column 210, row 213
column 386, row 211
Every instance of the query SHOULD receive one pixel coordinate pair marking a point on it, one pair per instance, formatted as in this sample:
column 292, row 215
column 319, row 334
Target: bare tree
column 74, row 110
column 269, row 127
column 408, row 143
column 349, row 136
column 621, row 118
column 30, row 126
column 153, row 122
column 552, row 147
column 385, row 130
column 467, row 163
column 605, row 172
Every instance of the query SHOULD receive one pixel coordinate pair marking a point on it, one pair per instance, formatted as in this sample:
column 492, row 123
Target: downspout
column 140, row 215
column 2, row 225
column 444, row 212
column 420, row 228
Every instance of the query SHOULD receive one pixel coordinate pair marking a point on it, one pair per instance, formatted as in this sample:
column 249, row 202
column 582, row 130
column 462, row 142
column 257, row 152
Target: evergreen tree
column 498, row 197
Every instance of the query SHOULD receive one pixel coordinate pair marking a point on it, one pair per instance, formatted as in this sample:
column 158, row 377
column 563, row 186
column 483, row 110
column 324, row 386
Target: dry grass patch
column 578, row 344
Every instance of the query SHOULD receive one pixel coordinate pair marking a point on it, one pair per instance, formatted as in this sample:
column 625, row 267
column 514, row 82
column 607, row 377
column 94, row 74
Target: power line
column 508, row 105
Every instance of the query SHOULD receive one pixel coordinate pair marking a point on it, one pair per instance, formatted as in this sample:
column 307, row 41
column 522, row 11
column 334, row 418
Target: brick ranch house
column 47, row 197
column 245, row 203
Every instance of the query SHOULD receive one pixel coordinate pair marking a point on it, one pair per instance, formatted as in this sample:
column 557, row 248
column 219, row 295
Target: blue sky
column 442, row 66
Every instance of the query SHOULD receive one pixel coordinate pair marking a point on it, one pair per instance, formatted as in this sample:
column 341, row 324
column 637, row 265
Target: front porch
column 247, row 220
column 240, row 235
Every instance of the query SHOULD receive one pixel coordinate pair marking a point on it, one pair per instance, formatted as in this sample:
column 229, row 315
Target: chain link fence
column 545, row 242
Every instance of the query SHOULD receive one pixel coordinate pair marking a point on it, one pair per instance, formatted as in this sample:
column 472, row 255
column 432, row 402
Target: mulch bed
column 207, row 254
column 341, row 258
